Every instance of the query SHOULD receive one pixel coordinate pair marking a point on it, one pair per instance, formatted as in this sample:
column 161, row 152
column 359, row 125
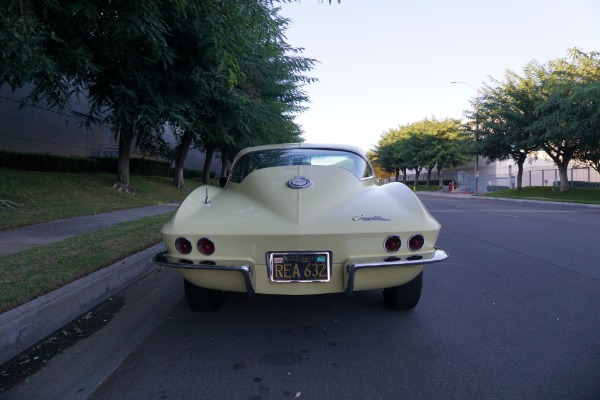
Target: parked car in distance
column 301, row 219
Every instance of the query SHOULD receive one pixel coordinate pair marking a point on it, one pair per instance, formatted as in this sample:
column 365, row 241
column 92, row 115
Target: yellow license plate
column 299, row 266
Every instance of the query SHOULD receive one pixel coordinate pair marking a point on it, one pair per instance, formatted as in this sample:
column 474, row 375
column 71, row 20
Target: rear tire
column 202, row 299
column 404, row 297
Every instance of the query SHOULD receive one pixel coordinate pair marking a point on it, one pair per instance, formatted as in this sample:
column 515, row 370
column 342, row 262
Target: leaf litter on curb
column 32, row 360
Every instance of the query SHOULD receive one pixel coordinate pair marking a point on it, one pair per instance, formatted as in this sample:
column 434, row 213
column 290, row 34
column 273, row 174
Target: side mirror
column 223, row 181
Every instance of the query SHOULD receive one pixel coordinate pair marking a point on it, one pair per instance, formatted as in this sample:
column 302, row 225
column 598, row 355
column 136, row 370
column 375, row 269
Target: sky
column 387, row 63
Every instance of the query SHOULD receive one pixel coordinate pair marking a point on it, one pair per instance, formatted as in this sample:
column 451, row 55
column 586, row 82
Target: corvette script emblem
column 374, row 218
column 299, row 182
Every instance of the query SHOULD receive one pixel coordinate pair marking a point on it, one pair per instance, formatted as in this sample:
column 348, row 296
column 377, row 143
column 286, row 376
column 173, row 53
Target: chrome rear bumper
column 352, row 266
column 233, row 266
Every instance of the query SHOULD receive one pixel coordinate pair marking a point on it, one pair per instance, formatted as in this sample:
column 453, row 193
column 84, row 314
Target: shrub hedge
column 581, row 184
column 52, row 163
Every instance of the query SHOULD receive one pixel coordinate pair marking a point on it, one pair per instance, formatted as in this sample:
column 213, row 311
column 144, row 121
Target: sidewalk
column 23, row 326
column 18, row 239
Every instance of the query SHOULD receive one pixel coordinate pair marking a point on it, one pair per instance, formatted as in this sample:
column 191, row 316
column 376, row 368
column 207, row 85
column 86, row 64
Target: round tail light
column 416, row 242
column 206, row 246
column 183, row 245
column 392, row 244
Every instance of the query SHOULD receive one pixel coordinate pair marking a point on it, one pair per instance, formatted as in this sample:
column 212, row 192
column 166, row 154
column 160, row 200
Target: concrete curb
column 471, row 196
column 23, row 326
column 553, row 203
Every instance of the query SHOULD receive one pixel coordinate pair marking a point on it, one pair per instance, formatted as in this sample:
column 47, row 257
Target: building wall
column 42, row 129
column 46, row 130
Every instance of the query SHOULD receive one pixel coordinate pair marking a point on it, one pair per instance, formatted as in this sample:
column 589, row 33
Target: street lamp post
column 476, row 174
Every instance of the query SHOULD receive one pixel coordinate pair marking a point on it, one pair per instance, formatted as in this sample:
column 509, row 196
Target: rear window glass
column 283, row 157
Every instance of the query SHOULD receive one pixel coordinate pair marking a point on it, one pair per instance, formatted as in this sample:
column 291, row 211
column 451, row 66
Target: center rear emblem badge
column 299, row 182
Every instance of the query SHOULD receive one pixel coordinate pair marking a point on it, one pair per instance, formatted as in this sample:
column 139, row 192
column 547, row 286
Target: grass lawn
column 37, row 271
column 35, row 197
column 45, row 196
column 577, row 195
column 431, row 188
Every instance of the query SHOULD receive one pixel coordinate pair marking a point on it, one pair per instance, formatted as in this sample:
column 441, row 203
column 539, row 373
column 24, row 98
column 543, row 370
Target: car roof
column 345, row 147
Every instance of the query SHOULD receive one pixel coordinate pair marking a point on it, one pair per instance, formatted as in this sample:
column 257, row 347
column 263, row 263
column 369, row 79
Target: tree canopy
column 552, row 107
column 220, row 72
column 424, row 144
column 505, row 112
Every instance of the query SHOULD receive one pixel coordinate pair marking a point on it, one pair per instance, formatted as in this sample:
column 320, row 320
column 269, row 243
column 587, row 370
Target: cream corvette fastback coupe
column 301, row 219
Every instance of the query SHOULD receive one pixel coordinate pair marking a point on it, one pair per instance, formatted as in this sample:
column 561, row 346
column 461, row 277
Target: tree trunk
column 440, row 177
column 561, row 155
column 564, row 176
column 403, row 175
column 417, row 173
column 520, row 162
column 224, row 162
column 595, row 165
column 125, row 140
column 429, row 170
column 397, row 174
column 182, row 152
column 210, row 152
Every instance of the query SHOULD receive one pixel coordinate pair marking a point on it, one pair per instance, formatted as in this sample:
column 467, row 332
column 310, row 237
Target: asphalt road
column 514, row 313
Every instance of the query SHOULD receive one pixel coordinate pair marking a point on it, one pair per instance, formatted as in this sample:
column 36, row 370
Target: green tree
column 191, row 64
column 411, row 149
column 589, row 152
column 425, row 144
column 434, row 144
column 388, row 153
column 586, row 103
column 449, row 146
column 506, row 111
column 112, row 52
column 130, row 58
column 34, row 52
column 552, row 106
column 564, row 121
column 253, row 101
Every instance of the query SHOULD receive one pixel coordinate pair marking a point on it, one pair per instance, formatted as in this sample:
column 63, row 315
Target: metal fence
column 578, row 178
column 460, row 178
